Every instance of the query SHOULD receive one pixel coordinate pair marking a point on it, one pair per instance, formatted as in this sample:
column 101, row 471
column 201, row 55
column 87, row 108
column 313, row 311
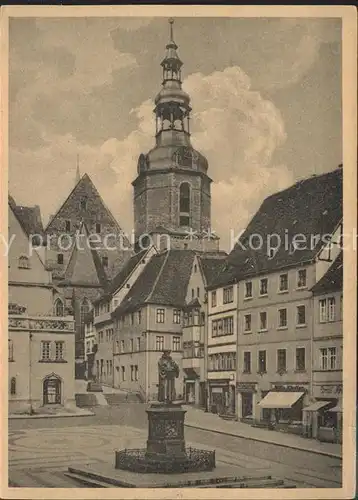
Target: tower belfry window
column 184, row 204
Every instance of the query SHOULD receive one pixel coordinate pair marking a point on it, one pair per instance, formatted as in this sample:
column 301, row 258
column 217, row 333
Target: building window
column 13, row 386
column 282, row 318
column 59, row 308
column 300, row 359
column 123, row 373
column 110, row 367
column 213, row 299
column 228, row 295
column 24, row 262
column 184, row 204
column 262, row 362
column 301, row 315
column 328, row 358
column 247, row 323
column 159, row 343
column 281, row 360
column 263, row 286
column 283, row 282
column 176, row 343
column 60, row 258
column 248, row 289
column 10, row 346
column 176, row 316
column 301, row 278
column 83, row 204
column 198, row 292
column 105, row 261
column 132, row 319
column 122, row 345
column 45, row 350
column 132, row 373
column 139, row 317
column 67, row 226
column 214, row 327
column 59, row 350
column 98, row 228
column 327, row 309
column 192, row 293
column 160, row 315
column 136, row 373
column 84, row 309
column 131, row 345
column 263, row 321
column 228, row 325
column 195, row 268
column 247, row 362
column 88, row 346
column 138, row 343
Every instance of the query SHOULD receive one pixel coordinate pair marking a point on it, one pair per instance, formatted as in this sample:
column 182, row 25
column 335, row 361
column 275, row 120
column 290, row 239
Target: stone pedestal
column 166, row 431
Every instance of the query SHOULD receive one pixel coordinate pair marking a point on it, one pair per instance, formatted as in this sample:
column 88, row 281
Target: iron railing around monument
column 138, row 460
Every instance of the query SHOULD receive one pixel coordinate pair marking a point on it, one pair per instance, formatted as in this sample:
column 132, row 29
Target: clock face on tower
column 185, row 157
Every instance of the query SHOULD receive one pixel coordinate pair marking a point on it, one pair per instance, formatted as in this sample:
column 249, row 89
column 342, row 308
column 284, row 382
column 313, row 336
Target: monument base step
column 106, row 476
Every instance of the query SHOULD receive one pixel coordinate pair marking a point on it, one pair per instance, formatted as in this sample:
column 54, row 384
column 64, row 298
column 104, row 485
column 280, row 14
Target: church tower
column 172, row 189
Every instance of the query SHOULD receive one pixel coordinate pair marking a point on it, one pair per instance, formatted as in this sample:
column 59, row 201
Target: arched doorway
column 52, row 393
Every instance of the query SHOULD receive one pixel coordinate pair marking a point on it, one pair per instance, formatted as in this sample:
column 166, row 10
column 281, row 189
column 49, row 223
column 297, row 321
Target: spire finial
column 78, row 175
column 171, row 22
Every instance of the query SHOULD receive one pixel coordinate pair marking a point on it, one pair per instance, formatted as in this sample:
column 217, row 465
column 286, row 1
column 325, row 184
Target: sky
column 265, row 92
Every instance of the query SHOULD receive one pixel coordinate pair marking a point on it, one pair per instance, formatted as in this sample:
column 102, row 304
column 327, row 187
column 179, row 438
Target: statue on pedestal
column 168, row 372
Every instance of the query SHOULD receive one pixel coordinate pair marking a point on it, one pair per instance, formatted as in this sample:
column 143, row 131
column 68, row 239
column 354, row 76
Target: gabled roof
column 310, row 207
column 332, row 280
column 211, row 267
column 163, row 281
column 84, row 264
column 29, row 218
column 127, row 270
column 121, row 277
column 193, row 303
column 86, row 185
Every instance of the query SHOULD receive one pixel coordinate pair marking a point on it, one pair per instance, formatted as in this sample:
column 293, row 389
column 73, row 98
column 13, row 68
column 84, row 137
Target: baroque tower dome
column 172, row 188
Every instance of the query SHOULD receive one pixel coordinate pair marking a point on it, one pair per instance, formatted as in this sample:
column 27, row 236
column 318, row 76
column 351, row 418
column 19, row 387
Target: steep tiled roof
column 163, row 281
column 124, row 273
column 30, row 219
column 332, row 280
column 85, row 265
column 193, row 303
column 310, row 207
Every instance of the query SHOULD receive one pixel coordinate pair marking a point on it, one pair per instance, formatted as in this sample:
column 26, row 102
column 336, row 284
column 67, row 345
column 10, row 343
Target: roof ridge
column 146, row 251
column 158, row 277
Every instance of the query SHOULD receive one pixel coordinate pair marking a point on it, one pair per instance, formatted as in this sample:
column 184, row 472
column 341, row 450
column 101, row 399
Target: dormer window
column 24, row 262
column 60, row 258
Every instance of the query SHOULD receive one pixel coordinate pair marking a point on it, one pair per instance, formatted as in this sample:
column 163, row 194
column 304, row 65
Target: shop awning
column 318, row 405
column 280, row 399
column 337, row 409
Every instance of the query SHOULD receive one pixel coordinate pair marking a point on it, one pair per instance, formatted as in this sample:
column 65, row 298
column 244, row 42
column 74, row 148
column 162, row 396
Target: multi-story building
column 41, row 342
column 325, row 420
column 205, row 268
column 275, row 309
column 83, row 246
column 114, row 294
column 149, row 321
column 221, row 343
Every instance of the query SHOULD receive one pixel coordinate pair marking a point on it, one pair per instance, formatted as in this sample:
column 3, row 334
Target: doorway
column 52, row 391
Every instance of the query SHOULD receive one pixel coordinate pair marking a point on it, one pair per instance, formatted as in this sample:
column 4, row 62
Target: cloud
column 294, row 50
column 233, row 126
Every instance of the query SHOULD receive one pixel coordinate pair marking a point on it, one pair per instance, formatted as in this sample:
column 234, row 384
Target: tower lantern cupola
column 172, row 104
column 171, row 64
